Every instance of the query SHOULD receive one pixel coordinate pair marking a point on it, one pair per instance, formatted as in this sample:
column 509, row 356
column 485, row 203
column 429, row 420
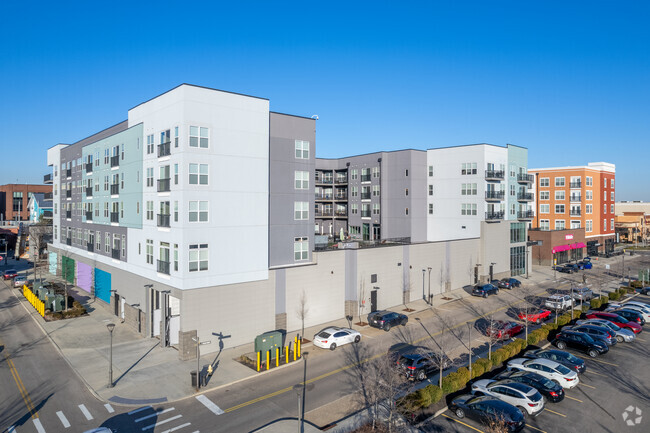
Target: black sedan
column 549, row 389
column 580, row 341
column 485, row 290
column 561, row 357
column 386, row 319
column 565, row 269
column 631, row 315
column 487, row 410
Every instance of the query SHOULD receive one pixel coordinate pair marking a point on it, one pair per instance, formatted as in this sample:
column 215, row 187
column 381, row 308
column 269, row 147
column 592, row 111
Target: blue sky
column 569, row 80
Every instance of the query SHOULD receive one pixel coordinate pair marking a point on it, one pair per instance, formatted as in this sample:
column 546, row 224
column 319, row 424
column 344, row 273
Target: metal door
column 117, row 304
column 373, row 300
column 155, row 326
column 174, row 327
column 122, row 307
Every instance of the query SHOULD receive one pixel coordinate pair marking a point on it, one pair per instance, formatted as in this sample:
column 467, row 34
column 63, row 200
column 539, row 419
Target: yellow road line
column 572, row 398
column 588, row 386
column 598, row 374
column 466, row 425
column 556, row 413
column 534, row 428
column 21, row 387
column 605, row 362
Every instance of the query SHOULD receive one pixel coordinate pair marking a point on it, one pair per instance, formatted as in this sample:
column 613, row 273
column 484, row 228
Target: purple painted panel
column 84, row 276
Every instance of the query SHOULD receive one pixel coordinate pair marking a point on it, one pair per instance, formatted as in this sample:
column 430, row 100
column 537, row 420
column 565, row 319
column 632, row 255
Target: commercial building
column 632, row 222
column 14, row 199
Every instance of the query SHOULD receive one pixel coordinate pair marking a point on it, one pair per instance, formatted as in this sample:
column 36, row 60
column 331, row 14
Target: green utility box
column 268, row 341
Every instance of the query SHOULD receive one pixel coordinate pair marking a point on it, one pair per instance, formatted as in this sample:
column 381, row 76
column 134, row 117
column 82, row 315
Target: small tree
column 361, row 303
column 303, row 312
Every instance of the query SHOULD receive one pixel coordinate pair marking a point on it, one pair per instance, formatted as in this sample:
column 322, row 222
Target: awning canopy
column 560, row 248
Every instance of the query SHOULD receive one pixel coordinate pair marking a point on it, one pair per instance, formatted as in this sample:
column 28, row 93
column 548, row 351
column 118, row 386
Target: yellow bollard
column 258, row 360
column 298, row 347
column 268, row 360
column 286, row 354
column 295, row 345
column 277, row 356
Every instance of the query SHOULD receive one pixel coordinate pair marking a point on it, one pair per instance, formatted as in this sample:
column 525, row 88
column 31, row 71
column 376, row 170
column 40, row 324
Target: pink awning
column 559, row 248
column 580, row 245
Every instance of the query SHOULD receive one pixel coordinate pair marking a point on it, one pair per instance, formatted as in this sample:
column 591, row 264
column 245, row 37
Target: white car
column 330, row 338
column 20, row 280
column 526, row 398
column 559, row 302
column 645, row 312
column 558, row 373
column 640, row 304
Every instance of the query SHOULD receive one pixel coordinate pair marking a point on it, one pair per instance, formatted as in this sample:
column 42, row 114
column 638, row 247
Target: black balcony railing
column 365, row 214
column 575, row 184
column 47, row 196
column 494, row 174
column 115, row 253
column 494, row 195
column 525, row 214
column 525, row 196
column 326, row 180
column 115, row 161
column 494, row 215
column 47, row 214
column 68, row 193
column 68, row 173
column 89, row 191
column 68, row 241
column 576, row 212
column 68, row 214
column 365, row 178
column 341, row 213
column 341, row 196
column 525, row 178
column 164, row 149
column 365, row 196
column 323, row 196
column 89, row 216
column 324, row 213
column 164, row 185
column 163, row 220
column 115, row 217
column 48, row 178
column 115, row 188
column 163, row 267
column 89, row 167
column 342, row 179
column 90, row 246
column 574, row 197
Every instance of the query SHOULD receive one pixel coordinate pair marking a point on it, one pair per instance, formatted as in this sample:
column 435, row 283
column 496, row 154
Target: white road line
column 149, row 427
column 109, row 408
column 211, row 406
column 85, row 412
column 139, row 410
column 39, row 426
column 63, row 419
column 154, row 414
column 177, row 427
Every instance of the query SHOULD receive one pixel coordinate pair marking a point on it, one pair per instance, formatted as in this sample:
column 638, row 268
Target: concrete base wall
column 281, row 321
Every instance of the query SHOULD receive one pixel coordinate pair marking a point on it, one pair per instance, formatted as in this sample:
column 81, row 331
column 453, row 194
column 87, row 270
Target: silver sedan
column 622, row 335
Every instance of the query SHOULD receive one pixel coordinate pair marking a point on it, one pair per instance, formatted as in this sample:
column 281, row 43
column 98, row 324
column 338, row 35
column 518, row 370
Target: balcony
column 525, row 215
column 341, row 196
column 89, row 167
column 575, row 198
column 525, row 196
column 164, row 149
column 575, row 212
column 494, row 195
column 164, row 220
column 365, row 214
column 163, row 267
column 575, row 184
column 324, row 213
column 494, row 175
column 323, row 196
column 164, row 185
column 115, row 161
column 115, row 217
column 47, row 196
column 68, row 214
column 366, row 196
column 89, row 216
column 47, row 214
column 365, row 178
column 89, row 191
column 324, row 180
column 68, row 173
column 47, row 179
column 68, row 193
column 115, row 189
column 494, row 216
column 525, row 178
column 341, row 179
column 68, row 241
column 90, row 246
column 115, row 253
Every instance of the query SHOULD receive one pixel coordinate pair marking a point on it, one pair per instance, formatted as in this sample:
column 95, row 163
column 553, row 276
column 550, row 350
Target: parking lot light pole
column 110, row 327
column 423, row 273
column 298, row 389
column 429, row 298
column 469, row 328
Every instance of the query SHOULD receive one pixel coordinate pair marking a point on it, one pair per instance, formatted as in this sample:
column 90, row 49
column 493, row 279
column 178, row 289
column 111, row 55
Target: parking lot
column 614, row 384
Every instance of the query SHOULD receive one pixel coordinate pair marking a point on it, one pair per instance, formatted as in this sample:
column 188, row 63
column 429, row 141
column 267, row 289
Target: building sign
column 568, row 237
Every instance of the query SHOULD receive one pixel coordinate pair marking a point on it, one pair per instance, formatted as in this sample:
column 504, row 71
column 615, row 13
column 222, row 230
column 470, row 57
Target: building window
column 612, row 183
column 513, row 190
column 605, row 208
column 406, row 173
column 611, row 210
column 302, row 149
column 559, row 208
column 354, row 174
column 123, row 245
column 107, row 242
column 176, row 139
column 175, row 211
column 430, row 189
column 544, row 195
column 544, row 224
column 544, row 181
column 199, row 137
column 301, row 179
column 604, row 195
column 559, row 224
column 430, row 208
column 559, row 181
column 300, row 249
column 588, row 226
column 589, row 195
column 604, row 225
column 300, row 210
column 559, row 195
column 375, row 172
column 149, row 176
column 375, row 208
column 575, row 224
column 176, row 255
column 468, row 168
column 198, row 211
column 354, row 208
column 466, row 189
column 589, row 181
column 198, row 174
column 149, row 251
column 175, row 174
column 517, row 233
column 375, row 190
column 406, row 211
column 150, row 210
column 150, row 144
column 355, row 191
column 105, row 209
column 512, row 209
column 611, row 224
column 406, row 192
column 468, row 209
column 589, row 208
column 430, row 170
column 513, row 170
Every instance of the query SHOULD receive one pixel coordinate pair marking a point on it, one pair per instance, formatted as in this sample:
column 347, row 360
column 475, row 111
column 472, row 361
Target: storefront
column 558, row 246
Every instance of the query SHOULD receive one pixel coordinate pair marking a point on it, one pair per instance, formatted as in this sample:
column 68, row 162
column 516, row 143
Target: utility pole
column 469, row 328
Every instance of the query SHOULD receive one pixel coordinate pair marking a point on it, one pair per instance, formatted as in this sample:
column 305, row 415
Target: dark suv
column 386, row 319
column 596, row 332
column 580, row 341
column 419, row 365
column 484, row 290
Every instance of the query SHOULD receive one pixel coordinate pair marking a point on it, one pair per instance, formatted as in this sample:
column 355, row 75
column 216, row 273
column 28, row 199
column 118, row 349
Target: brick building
column 14, row 199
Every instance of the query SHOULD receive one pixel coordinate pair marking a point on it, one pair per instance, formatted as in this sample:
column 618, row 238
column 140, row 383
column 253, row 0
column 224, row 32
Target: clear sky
column 569, row 80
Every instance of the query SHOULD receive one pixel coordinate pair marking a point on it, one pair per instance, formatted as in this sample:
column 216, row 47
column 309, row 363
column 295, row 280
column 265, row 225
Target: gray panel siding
column 280, row 291
column 351, row 290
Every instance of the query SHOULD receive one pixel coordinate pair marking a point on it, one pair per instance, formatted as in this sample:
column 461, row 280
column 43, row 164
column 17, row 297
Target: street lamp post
column 110, row 327
column 469, row 328
column 423, row 273
column 298, row 389
column 429, row 268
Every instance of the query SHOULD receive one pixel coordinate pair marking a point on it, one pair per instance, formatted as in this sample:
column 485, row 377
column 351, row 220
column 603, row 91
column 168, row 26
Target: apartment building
column 14, row 200
column 575, row 198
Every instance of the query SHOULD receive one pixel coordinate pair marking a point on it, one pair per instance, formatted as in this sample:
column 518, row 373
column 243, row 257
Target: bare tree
column 361, row 303
column 439, row 355
column 527, row 305
column 497, row 425
column 303, row 312
column 490, row 329
column 470, row 271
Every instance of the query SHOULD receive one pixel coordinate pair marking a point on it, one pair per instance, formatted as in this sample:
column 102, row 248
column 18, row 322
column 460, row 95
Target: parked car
column 559, row 302
column 552, row 370
column 622, row 335
column 502, row 330
column 631, row 315
column 616, row 319
column 645, row 311
column 585, row 264
column 580, row 341
column 418, row 365
column 586, row 259
column 549, row 389
column 535, row 317
column 564, row 269
column 640, row 304
column 643, row 290
column 524, row 397
column 501, row 284
column 386, row 319
column 9, row 274
column 485, row 290
column 486, row 410
column 595, row 332
column 561, row 357
column 583, row 294
column 573, row 266
column 513, row 282
column 20, row 280
column 332, row 337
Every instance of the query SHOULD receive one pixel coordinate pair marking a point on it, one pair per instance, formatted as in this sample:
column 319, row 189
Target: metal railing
column 495, row 215
column 115, row 189
column 327, row 180
column 68, row 193
column 48, row 178
column 68, row 173
column 163, row 267
column 341, row 196
column 115, row 161
column 494, row 174
column 115, row 217
column 366, row 196
column 575, row 198
column 68, row 214
column 164, row 149
column 89, row 216
column 494, row 195
column 342, row 180
column 164, row 185
column 164, row 220
column 341, row 213
column 365, row 178
column 323, row 196
column 89, row 167
column 90, row 246
column 115, row 253
column 523, row 177
column 525, row 196
column 575, row 212
column 575, row 184
column 68, row 241
column 525, row 214
column 366, row 214
column 323, row 213
column 89, row 191
column 47, row 196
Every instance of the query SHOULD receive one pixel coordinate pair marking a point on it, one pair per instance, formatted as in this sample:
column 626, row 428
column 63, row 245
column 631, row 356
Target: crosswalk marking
column 211, row 406
column 139, row 410
column 109, row 408
column 38, row 425
column 63, row 419
column 149, row 427
column 85, row 412
column 154, row 414
column 177, row 427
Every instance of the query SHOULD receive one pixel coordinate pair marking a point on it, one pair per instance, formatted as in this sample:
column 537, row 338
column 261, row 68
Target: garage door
column 67, row 269
column 53, row 261
column 84, row 276
column 103, row 285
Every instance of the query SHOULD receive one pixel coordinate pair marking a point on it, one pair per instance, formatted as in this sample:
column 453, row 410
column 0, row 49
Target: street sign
column 205, row 342
column 607, row 267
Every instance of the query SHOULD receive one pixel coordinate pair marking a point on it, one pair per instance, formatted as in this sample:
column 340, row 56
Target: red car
column 503, row 330
column 9, row 274
column 615, row 319
column 536, row 317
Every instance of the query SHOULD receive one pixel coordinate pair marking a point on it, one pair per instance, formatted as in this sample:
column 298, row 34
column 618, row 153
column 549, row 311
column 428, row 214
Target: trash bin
column 193, row 376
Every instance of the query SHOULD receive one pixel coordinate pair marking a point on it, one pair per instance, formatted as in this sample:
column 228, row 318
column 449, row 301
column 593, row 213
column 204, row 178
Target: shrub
column 486, row 363
column 613, row 296
column 501, row 354
column 564, row 319
column 477, row 369
column 622, row 290
column 422, row 398
column 585, row 308
column 595, row 303
column 435, row 393
column 533, row 338
column 520, row 344
column 636, row 284
column 450, row 384
column 463, row 374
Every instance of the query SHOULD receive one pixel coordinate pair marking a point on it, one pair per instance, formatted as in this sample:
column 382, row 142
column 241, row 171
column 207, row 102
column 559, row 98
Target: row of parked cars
column 569, row 268
column 492, row 288
column 12, row 274
column 542, row 375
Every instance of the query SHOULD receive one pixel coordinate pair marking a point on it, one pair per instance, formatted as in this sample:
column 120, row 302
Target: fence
column 266, row 360
column 33, row 299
